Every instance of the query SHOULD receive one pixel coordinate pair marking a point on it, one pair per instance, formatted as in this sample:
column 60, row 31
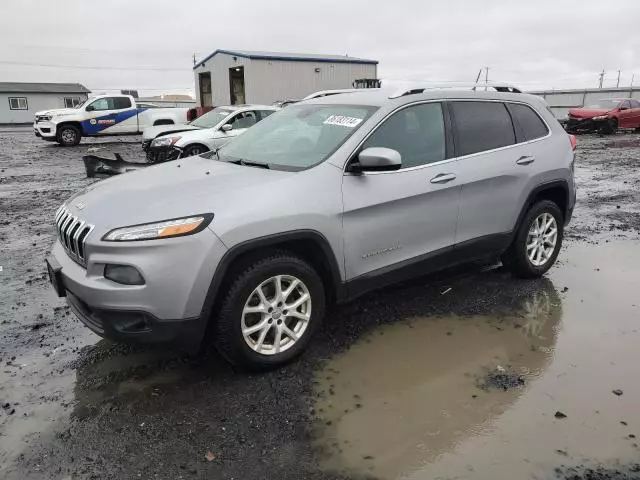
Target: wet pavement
column 468, row 375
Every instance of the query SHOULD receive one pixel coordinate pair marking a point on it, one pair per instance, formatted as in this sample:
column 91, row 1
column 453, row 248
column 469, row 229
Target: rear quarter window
column 121, row 102
column 481, row 126
column 531, row 125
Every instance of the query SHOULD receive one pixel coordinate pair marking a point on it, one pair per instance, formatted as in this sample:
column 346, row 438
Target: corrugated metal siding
column 35, row 103
column 277, row 80
column 269, row 80
column 219, row 67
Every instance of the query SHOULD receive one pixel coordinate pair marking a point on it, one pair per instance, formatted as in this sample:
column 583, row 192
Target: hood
column 587, row 112
column 200, row 135
column 150, row 133
column 171, row 190
column 58, row 111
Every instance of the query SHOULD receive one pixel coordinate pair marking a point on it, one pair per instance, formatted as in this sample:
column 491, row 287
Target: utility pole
column 632, row 78
column 601, row 78
column 486, row 78
column 477, row 78
column 618, row 82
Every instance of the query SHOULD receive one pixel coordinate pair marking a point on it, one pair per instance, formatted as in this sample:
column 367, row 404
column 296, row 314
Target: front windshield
column 605, row 104
column 81, row 104
column 297, row 137
column 212, row 118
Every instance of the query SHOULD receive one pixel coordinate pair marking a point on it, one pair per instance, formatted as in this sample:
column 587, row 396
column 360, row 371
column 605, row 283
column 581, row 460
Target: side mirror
column 227, row 127
column 376, row 159
column 90, row 108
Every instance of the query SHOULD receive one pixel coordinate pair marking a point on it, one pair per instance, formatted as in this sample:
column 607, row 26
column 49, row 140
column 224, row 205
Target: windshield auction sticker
column 342, row 121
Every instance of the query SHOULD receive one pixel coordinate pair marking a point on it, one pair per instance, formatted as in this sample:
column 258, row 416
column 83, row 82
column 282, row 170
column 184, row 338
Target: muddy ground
column 468, row 375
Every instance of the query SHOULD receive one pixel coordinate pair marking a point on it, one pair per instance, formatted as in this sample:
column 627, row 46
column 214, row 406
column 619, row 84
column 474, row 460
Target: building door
column 236, row 85
column 205, row 89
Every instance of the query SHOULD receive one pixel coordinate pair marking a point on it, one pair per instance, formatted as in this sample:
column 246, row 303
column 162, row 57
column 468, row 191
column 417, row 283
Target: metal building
column 238, row 76
column 560, row 101
column 19, row 101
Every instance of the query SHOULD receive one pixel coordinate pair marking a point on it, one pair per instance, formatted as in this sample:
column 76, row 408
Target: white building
column 19, row 101
column 236, row 76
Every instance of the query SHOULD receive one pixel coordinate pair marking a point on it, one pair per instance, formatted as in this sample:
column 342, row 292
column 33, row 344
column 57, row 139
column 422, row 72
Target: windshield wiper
column 247, row 163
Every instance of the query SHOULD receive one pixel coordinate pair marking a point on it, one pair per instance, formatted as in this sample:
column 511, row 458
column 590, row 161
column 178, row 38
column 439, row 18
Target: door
column 205, row 89
column 494, row 170
column 236, row 85
column 629, row 114
column 394, row 219
column 110, row 115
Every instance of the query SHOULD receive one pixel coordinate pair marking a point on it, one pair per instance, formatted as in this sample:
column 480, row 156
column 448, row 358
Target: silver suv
column 318, row 203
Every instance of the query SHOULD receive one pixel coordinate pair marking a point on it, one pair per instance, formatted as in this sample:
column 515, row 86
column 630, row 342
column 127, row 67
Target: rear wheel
column 68, row 135
column 270, row 312
column 537, row 242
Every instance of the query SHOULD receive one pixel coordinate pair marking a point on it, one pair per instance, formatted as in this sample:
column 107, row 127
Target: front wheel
column 537, row 242
column 193, row 150
column 68, row 136
column 270, row 312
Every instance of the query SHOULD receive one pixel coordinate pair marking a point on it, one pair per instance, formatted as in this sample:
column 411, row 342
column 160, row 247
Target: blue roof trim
column 292, row 58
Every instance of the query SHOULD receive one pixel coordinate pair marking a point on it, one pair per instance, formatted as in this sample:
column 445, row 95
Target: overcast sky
column 149, row 44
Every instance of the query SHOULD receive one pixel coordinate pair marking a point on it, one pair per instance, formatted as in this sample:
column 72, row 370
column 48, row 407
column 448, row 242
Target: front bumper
column 162, row 154
column 167, row 308
column 576, row 125
column 45, row 130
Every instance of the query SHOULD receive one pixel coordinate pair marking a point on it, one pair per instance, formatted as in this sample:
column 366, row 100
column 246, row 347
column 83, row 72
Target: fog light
column 123, row 274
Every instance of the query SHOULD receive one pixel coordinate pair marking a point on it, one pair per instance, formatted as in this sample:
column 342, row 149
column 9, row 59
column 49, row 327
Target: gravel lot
column 465, row 375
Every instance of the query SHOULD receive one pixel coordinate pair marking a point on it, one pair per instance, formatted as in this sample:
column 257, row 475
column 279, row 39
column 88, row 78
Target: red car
column 605, row 116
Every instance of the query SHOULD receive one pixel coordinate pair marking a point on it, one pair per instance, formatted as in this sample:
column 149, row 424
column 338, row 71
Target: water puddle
column 507, row 395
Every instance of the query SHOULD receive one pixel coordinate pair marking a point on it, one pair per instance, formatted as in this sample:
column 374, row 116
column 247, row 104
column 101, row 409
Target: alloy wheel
column 276, row 314
column 542, row 239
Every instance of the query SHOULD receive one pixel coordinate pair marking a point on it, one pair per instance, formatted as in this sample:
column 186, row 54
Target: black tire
column 516, row 258
column 227, row 327
column 68, row 135
column 610, row 127
column 193, row 150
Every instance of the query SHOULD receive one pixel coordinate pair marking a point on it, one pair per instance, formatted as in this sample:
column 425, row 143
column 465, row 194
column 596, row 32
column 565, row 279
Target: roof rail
column 498, row 87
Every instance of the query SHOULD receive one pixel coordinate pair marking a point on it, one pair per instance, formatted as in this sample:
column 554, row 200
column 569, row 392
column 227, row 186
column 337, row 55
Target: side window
column 626, row 105
column 18, row 103
column 120, row 103
column 265, row 113
column 635, row 103
column 530, row 122
column 71, row 102
column 416, row 132
column 102, row 104
column 481, row 126
column 244, row 120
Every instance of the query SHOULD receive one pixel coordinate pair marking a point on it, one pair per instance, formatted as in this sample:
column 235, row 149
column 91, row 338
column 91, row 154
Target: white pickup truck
column 103, row 115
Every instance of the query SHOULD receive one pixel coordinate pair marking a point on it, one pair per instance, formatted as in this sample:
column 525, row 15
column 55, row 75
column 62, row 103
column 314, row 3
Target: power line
column 96, row 67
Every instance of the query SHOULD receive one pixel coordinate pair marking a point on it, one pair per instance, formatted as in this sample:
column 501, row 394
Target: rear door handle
column 443, row 178
column 526, row 160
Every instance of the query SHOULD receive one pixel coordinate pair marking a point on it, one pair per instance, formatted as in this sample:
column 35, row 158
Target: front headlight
column 165, row 141
column 599, row 117
column 176, row 227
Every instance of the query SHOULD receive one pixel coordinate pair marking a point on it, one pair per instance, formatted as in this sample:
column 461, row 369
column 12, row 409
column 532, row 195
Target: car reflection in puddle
column 409, row 392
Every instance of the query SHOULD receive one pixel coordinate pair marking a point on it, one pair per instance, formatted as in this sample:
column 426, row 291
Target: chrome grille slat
column 76, row 235
column 72, row 232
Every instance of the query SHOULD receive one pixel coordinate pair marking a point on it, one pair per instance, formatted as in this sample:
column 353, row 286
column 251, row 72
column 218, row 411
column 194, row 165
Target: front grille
column 72, row 233
column 146, row 144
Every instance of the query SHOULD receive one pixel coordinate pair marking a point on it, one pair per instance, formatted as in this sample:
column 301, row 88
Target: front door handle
column 526, row 160
column 443, row 178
